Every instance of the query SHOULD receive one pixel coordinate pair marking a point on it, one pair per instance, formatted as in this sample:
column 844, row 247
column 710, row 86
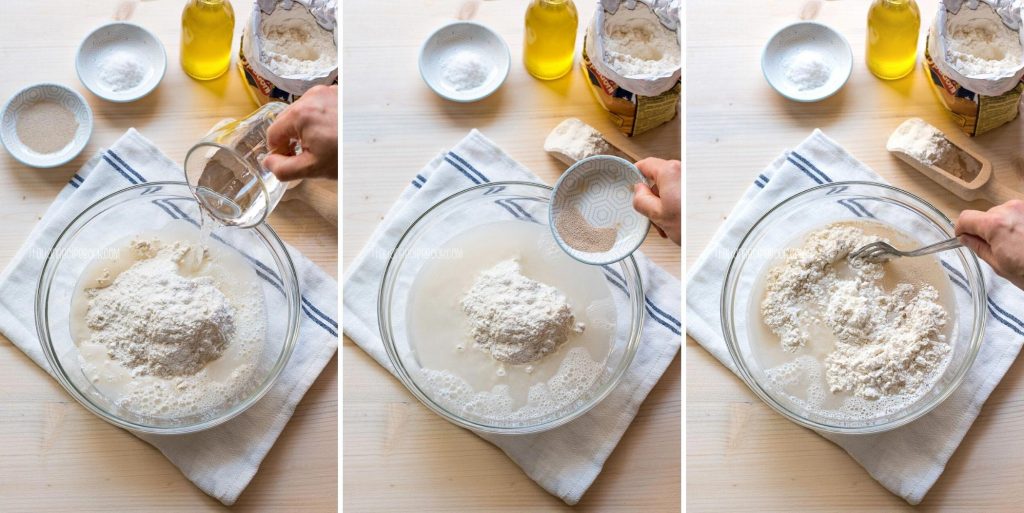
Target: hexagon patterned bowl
column 600, row 188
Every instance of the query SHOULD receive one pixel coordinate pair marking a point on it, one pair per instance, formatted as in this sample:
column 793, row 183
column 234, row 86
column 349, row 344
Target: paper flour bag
column 631, row 56
column 288, row 47
column 974, row 57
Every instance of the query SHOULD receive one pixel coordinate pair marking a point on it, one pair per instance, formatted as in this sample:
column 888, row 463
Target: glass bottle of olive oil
column 207, row 28
column 550, row 38
column 893, row 26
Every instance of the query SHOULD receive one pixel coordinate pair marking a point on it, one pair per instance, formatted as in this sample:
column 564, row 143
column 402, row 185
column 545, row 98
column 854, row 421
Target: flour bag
column 288, row 47
column 974, row 58
column 631, row 57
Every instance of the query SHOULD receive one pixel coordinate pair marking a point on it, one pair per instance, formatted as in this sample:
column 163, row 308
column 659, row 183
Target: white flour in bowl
column 888, row 338
column 526, row 262
column 155, row 321
column 515, row 319
column 170, row 327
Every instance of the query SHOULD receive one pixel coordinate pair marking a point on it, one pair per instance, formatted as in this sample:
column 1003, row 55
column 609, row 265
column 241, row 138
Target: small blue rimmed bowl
column 33, row 95
column 600, row 188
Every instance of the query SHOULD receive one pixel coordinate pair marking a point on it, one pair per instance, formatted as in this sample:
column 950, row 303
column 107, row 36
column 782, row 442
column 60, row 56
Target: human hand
column 661, row 203
column 312, row 121
column 997, row 236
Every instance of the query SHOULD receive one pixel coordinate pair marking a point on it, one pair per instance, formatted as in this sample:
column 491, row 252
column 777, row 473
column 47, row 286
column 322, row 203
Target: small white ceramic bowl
column 464, row 36
column 31, row 95
column 807, row 36
column 601, row 189
column 121, row 37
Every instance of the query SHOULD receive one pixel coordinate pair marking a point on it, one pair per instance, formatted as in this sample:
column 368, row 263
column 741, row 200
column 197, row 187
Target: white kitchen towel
column 566, row 460
column 907, row 460
column 222, row 460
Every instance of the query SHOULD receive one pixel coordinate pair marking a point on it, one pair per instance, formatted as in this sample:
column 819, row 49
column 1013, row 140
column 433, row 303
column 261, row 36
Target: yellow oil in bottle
column 550, row 38
column 893, row 27
column 207, row 28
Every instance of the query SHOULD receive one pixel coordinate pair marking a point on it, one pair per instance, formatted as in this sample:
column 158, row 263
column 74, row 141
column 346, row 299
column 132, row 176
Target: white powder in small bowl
column 120, row 71
column 464, row 70
column 807, row 70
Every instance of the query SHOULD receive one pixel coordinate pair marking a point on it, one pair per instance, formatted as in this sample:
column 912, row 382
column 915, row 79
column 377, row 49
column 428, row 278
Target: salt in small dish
column 127, row 39
column 464, row 36
column 32, row 95
column 600, row 189
column 808, row 36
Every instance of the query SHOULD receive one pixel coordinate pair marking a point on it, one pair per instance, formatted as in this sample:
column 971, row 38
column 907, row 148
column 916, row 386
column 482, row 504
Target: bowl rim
column 15, row 150
column 506, row 62
column 384, row 316
column 978, row 293
column 42, row 321
column 818, row 26
column 105, row 95
column 645, row 223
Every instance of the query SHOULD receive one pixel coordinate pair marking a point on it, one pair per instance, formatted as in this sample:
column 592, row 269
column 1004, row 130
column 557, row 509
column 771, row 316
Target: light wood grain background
column 54, row 455
column 741, row 456
column 398, row 456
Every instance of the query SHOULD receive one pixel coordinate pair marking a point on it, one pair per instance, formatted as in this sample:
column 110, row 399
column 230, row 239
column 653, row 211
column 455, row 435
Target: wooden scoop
column 982, row 186
column 323, row 200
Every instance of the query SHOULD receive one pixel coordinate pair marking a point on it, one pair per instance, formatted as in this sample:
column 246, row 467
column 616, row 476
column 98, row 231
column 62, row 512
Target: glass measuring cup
column 225, row 170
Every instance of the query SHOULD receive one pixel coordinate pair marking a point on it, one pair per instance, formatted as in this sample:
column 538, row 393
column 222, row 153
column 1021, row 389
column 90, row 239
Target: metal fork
column 881, row 251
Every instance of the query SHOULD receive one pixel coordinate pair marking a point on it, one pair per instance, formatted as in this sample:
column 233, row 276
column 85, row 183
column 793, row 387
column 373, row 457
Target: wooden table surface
column 55, row 455
column 398, row 455
column 741, row 456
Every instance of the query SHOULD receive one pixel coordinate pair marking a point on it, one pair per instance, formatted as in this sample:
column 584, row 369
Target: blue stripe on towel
column 510, row 210
column 655, row 312
column 610, row 276
column 127, row 167
column 811, row 166
column 997, row 312
column 850, row 207
column 862, row 208
column 811, row 175
column 469, row 166
column 670, row 327
column 668, row 317
column 117, row 168
column 454, row 164
column 511, row 201
column 314, row 319
column 170, row 212
column 322, row 315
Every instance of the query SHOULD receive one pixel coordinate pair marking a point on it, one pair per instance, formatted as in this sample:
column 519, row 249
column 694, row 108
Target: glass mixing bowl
column 489, row 203
column 146, row 208
column 815, row 208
